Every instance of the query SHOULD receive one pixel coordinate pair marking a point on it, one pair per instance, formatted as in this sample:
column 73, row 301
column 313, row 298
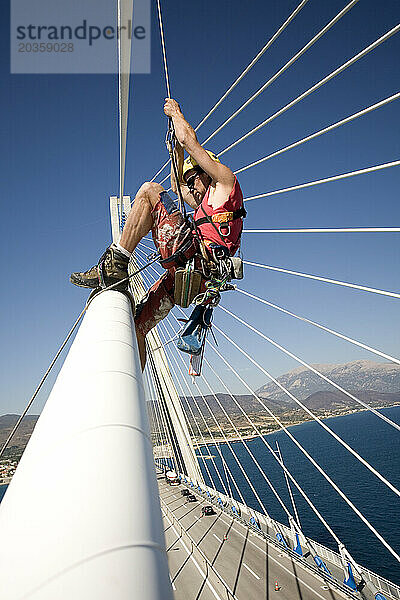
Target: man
column 207, row 186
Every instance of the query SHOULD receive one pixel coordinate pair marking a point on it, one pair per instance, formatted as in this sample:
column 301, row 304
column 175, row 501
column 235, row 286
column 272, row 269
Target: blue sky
column 60, row 164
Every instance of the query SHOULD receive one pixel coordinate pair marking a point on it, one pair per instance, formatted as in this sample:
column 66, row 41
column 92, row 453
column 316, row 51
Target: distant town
column 221, row 417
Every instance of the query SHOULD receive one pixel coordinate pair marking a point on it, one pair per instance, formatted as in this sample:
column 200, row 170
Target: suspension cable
column 264, row 441
column 321, row 132
column 164, row 53
column 310, row 458
column 37, row 390
column 313, row 88
column 324, row 279
column 253, row 62
column 387, row 165
column 154, row 417
column 308, row 411
column 184, row 397
column 226, row 439
column 245, row 445
column 164, row 411
column 246, row 70
column 324, row 328
column 214, row 441
column 248, row 450
column 285, row 67
column 207, row 447
column 124, row 13
column 327, row 230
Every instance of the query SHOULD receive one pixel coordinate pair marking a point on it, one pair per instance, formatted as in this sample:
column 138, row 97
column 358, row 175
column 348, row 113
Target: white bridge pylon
column 91, row 527
column 167, row 387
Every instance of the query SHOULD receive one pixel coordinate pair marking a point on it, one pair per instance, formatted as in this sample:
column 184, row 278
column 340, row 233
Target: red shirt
column 207, row 231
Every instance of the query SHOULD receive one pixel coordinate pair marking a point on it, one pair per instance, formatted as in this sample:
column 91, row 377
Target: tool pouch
column 192, row 338
column 187, row 285
column 236, row 267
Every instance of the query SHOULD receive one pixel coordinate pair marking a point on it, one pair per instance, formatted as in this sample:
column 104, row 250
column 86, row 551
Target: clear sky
column 60, row 164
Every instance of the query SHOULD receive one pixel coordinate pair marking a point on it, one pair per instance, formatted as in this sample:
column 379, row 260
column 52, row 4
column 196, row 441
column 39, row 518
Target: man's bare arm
column 219, row 173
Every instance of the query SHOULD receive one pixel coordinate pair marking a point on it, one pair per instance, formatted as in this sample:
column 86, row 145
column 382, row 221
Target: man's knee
column 150, row 191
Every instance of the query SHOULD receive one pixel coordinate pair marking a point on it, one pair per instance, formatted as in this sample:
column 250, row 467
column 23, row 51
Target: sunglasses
column 190, row 181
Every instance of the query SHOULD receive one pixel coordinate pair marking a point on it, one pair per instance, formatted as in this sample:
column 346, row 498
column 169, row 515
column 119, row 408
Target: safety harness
column 193, row 263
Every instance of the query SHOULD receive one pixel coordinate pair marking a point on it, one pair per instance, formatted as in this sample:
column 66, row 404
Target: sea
column 375, row 440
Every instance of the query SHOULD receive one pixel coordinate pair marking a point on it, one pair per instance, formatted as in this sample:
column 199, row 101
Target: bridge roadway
column 248, row 564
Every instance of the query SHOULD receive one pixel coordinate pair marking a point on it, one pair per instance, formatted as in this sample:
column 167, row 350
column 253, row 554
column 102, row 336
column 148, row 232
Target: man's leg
column 140, row 220
column 113, row 265
column 141, row 340
column 154, row 307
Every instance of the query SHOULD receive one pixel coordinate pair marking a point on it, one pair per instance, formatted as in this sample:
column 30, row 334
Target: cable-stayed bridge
column 97, row 522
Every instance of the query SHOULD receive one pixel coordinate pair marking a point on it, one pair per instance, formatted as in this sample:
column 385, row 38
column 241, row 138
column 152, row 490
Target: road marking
column 252, row 572
column 196, row 564
column 276, row 561
column 217, row 538
column 172, row 583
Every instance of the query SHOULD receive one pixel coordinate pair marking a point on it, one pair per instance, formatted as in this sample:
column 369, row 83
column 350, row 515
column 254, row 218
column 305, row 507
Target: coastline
column 235, row 439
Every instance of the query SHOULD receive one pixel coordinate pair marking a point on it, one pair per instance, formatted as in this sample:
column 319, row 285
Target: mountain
column 23, row 432
column 357, row 376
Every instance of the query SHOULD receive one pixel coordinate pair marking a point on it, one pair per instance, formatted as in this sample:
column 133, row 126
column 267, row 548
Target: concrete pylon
column 81, row 517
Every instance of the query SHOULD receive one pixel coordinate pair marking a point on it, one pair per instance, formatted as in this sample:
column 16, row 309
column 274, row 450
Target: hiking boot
column 111, row 268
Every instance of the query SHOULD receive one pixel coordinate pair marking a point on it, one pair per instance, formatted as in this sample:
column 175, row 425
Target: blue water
column 375, row 440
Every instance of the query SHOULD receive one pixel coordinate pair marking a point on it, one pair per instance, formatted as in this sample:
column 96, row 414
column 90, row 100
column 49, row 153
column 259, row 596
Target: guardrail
column 194, row 548
column 386, row 587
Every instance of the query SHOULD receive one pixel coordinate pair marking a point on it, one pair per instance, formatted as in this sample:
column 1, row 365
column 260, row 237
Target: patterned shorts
column 169, row 232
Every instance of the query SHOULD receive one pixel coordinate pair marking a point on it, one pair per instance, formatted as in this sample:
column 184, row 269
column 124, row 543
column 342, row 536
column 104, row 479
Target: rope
column 253, row 62
column 326, row 230
column 324, row 328
column 310, row 458
column 163, row 49
column 285, row 67
column 246, row 70
column 394, row 163
column 325, row 279
column 315, row 464
column 313, row 88
column 321, row 131
column 308, row 411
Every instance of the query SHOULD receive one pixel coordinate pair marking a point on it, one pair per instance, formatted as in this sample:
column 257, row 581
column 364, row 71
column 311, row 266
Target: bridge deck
column 247, row 564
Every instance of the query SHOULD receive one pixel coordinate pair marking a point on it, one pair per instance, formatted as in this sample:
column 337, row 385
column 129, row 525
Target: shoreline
column 234, row 439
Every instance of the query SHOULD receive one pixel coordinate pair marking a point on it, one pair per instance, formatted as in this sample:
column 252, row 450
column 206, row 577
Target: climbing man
column 207, row 186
